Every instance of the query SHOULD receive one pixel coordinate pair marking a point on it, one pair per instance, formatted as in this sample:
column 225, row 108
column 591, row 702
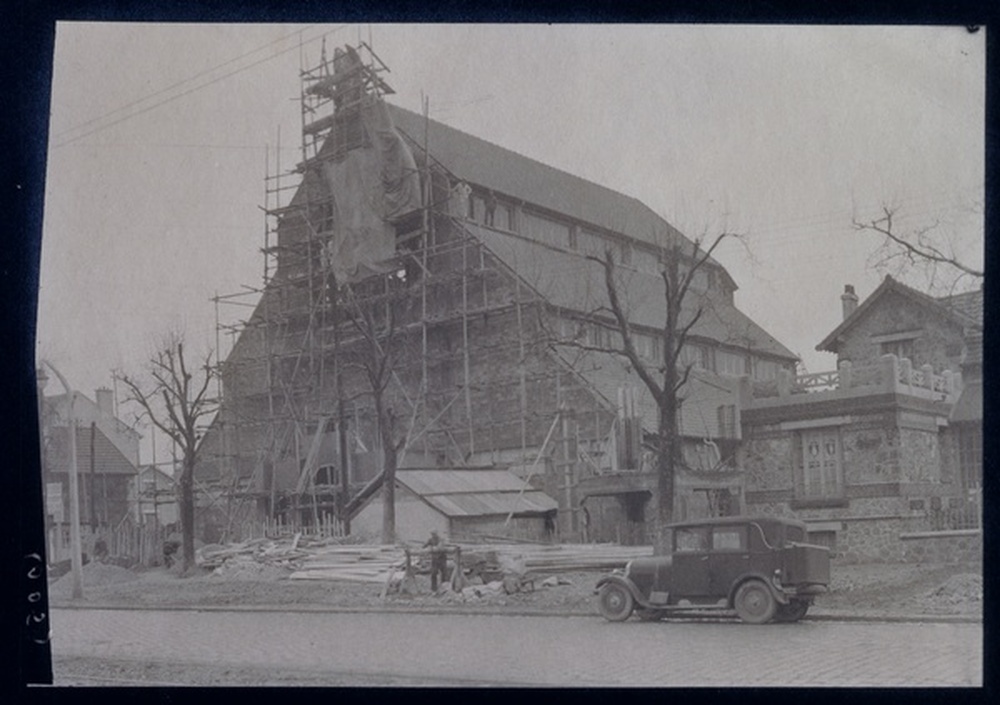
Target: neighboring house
column 461, row 504
column 155, row 498
column 907, row 323
column 484, row 256
column 886, row 447
column 106, row 451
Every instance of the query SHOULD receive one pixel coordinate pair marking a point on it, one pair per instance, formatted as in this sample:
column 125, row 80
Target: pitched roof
column 469, row 492
column 571, row 281
column 969, row 407
column 958, row 308
column 108, row 460
column 969, row 304
column 519, row 177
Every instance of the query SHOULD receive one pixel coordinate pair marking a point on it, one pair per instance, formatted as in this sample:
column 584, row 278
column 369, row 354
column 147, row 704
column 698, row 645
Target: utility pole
column 76, row 552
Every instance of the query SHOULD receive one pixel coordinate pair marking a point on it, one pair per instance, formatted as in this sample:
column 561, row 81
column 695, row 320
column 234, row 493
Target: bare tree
column 921, row 247
column 680, row 261
column 376, row 356
column 176, row 402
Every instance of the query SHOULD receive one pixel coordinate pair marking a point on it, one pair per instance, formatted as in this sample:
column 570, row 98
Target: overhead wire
column 180, row 83
column 198, row 87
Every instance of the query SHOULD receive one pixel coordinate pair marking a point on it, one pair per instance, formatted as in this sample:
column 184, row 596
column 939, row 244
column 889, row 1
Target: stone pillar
column 928, row 372
column 890, row 373
column 906, row 373
column 845, row 374
column 784, row 383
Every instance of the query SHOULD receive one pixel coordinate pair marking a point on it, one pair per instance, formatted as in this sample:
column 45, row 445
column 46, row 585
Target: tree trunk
column 389, row 479
column 185, row 485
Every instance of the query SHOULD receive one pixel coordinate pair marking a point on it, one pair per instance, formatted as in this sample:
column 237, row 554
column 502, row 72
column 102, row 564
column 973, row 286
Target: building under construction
column 428, row 291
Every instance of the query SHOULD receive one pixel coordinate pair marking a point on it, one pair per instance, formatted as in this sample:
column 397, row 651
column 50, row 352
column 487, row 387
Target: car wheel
column 792, row 612
column 615, row 602
column 648, row 615
column 754, row 602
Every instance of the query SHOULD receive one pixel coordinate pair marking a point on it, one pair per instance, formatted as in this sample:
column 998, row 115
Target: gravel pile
column 94, row 575
column 250, row 569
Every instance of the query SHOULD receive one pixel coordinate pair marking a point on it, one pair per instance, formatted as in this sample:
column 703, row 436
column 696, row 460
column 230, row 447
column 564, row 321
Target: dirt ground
column 885, row 589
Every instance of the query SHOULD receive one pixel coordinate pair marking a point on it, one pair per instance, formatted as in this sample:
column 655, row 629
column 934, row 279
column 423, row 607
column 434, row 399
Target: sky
column 161, row 135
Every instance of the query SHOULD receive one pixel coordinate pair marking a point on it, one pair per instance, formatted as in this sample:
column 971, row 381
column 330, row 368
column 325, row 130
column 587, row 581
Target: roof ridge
column 521, row 155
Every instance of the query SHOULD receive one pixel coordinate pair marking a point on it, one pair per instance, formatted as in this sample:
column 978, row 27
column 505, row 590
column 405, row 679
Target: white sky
column 158, row 133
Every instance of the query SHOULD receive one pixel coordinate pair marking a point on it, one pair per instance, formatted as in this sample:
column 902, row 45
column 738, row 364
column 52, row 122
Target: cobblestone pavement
column 369, row 648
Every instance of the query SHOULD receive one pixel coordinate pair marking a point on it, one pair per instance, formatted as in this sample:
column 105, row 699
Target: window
column 590, row 243
column 899, row 348
column 730, row 538
column 602, row 337
column 691, row 540
column 765, row 370
column 648, row 346
column 327, row 475
column 545, row 230
column 730, row 363
column 970, row 457
column 819, row 469
column 625, row 253
column 696, row 355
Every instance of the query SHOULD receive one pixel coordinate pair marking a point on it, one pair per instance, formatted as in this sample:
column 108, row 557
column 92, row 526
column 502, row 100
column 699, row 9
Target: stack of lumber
column 570, row 557
column 370, row 564
column 319, row 559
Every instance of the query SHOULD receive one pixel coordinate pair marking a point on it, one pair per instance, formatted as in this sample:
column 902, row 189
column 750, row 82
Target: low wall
column 942, row 546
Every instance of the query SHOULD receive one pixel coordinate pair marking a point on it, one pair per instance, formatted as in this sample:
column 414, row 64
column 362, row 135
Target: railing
column 889, row 374
column 956, row 514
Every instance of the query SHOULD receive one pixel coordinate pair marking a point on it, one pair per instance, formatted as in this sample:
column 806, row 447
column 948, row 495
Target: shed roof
column 474, row 492
column 571, row 281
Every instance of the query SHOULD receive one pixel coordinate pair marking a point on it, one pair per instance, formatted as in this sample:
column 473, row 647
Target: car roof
column 725, row 521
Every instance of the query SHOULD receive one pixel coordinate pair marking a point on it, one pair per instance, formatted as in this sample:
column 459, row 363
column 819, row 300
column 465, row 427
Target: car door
column 728, row 559
column 689, row 572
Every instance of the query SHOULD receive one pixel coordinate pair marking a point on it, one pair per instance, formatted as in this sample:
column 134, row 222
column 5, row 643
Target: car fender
column 626, row 583
column 778, row 593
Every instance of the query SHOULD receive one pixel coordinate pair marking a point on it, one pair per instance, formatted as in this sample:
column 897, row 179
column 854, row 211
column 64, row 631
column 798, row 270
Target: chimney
column 849, row 300
column 105, row 401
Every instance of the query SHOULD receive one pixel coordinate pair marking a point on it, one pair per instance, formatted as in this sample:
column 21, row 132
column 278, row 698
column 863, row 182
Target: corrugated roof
column 508, row 173
column 473, row 492
column 108, row 460
column 452, row 481
column 493, row 503
column 571, row 281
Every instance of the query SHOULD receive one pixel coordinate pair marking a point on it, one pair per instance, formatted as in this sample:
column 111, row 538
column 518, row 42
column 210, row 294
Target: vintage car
column 760, row 567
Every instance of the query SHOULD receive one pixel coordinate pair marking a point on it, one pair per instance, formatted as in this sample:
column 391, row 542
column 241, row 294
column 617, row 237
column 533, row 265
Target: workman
column 439, row 559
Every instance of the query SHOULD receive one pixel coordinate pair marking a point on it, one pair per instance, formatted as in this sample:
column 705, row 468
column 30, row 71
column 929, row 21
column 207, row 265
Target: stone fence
column 889, row 375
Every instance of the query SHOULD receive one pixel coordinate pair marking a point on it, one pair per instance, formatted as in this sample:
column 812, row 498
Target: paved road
column 558, row 651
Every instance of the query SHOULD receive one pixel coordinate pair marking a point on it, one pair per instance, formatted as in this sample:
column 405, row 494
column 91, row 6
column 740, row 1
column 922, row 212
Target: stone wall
column 942, row 547
column 891, row 459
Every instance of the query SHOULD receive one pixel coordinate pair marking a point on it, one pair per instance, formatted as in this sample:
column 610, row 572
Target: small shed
column 461, row 504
